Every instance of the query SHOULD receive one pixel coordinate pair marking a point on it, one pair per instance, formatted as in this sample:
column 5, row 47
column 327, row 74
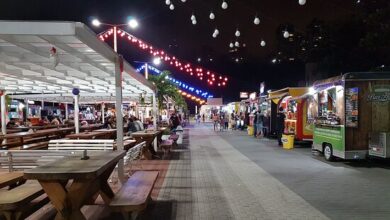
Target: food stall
column 352, row 115
column 295, row 106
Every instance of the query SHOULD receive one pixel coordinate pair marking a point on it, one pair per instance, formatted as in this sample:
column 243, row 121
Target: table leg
column 68, row 203
column 105, row 190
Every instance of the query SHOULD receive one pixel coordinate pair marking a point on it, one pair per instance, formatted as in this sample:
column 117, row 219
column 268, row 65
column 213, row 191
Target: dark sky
column 172, row 31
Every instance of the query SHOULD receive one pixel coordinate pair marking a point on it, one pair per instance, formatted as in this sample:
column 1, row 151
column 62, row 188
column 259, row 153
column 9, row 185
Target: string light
column 224, row 5
column 262, row 43
column 212, row 16
column 256, row 21
column 172, row 7
column 167, row 2
column 238, row 33
column 302, row 2
column 183, row 66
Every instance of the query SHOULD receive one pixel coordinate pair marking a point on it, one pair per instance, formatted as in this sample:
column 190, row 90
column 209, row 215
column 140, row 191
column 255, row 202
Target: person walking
column 215, row 120
column 259, row 124
column 280, row 124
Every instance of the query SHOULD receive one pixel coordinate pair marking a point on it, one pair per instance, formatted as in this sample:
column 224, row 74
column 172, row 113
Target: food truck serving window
column 330, row 106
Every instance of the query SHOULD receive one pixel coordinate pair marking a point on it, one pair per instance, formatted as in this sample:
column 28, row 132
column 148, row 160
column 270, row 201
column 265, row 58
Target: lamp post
column 133, row 24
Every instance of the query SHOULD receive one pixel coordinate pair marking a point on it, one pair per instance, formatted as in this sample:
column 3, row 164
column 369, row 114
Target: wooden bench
column 27, row 159
column 81, row 144
column 174, row 138
column 134, row 153
column 135, row 194
column 20, row 202
column 11, row 179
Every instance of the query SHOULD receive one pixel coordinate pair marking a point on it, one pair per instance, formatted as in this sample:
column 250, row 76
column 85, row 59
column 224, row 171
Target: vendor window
column 327, row 107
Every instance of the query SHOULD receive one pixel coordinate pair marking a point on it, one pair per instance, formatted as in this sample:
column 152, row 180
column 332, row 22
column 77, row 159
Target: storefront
column 295, row 106
column 350, row 110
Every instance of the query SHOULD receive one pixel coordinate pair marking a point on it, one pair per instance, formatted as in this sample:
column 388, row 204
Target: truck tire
column 328, row 152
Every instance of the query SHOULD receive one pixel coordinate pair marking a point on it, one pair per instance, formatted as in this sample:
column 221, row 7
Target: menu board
column 351, row 107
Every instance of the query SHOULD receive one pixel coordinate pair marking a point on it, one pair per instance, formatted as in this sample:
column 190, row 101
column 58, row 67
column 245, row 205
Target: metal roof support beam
column 3, row 113
column 118, row 113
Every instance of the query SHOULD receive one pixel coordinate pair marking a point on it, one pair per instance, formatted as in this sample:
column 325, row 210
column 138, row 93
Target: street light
column 156, row 61
column 133, row 24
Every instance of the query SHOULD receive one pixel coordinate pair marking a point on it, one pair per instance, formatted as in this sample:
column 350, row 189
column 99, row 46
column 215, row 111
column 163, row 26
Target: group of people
column 221, row 121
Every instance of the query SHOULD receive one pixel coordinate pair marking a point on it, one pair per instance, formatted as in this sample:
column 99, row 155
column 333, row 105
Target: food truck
column 295, row 106
column 352, row 115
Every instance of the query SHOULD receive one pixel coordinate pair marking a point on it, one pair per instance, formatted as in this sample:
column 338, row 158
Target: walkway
column 211, row 179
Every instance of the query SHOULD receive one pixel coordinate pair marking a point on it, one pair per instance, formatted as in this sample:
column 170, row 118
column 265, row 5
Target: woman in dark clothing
column 280, row 124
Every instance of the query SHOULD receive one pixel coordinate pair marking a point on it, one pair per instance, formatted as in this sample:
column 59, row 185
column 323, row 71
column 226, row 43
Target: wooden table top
column 91, row 127
column 88, row 135
column 105, row 129
column 145, row 133
column 75, row 168
column 36, row 133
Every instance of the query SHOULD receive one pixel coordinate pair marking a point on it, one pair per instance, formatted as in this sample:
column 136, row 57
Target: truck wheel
column 328, row 152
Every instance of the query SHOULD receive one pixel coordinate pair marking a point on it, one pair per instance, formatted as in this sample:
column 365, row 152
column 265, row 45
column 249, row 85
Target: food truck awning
column 275, row 96
column 28, row 64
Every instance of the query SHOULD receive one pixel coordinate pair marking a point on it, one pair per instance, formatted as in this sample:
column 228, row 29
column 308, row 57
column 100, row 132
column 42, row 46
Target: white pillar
column 115, row 41
column 119, row 117
column 103, row 112
column 76, row 114
column 196, row 109
column 155, row 119
column 146, row 71
column 3, row 114
column 66, row 111
column 26, row 105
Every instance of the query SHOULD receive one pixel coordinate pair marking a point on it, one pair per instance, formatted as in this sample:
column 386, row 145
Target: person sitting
column 84, row 123
column 12, row 123
column 131, row 125
column 55, row 121
column 140, row 125
column 108, row 123
column 174, row 121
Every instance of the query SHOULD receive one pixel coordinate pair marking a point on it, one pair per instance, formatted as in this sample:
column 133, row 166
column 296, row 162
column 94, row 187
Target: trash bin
column 250, row 130
column 288, row 141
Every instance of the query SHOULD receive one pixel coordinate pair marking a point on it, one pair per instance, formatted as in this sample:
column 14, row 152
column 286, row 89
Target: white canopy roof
column 84, row 62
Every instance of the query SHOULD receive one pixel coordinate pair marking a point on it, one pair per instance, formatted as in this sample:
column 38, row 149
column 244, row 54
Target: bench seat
column 22, row 200
column 135, row 193
column 11, row 178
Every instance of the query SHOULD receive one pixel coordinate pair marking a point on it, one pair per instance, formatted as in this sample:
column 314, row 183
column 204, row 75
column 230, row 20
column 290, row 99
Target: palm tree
column 165, row 89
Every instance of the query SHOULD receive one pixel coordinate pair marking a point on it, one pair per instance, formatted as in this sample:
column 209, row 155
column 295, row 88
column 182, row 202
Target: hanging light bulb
column 167, row 2
column 231, row 45
column 183, row 1
column 216, row 31
column 237, row 44
column 212, row 16
column 238, row 33
column 193, row 17
column 224, row 5
column 286, row 34
column 194, row 22
column 302, row 2
column 172, row 7
column 256, row 21
column 262, row 43
column 215, row 35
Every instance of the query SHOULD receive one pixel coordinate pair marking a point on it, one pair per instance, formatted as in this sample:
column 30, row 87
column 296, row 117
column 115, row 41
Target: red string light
column 211, row 77
column 192, row 97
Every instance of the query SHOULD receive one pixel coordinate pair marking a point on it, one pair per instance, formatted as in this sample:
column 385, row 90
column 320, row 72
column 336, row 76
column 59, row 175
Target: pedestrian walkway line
column 274, row 198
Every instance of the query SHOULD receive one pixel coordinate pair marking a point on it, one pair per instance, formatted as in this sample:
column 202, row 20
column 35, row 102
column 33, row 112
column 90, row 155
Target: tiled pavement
column 210, row 179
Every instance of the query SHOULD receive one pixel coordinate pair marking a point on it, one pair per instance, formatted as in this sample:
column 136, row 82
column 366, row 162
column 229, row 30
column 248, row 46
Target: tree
column 167, row 89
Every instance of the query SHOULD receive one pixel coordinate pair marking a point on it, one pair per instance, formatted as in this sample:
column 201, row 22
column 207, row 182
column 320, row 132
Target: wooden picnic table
column 91, row 127
column 101, row 133
column 89, row 179
column 148, row 137
column 39, row 133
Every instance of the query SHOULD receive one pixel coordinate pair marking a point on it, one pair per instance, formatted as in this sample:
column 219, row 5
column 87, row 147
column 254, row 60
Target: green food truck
column 352, row 115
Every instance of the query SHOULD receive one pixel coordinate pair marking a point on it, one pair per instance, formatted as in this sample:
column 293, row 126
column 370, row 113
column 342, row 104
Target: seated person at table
column 84, row 123
column 109, row 123
column 140, row 125
column 131, row 127
column 55, row 121
column 12, row 123
column 174, row 121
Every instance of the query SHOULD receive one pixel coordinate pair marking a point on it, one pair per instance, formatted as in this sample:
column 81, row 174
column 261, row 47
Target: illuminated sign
column 244, row 95
column 252, row 96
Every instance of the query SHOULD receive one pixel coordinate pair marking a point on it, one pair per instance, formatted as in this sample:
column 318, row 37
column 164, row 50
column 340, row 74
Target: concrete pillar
column 66, row 111
column 155, row 119
column 103, row 112
column 26, row 106
column 3, row 113
column 76, row 114
column 119, row 116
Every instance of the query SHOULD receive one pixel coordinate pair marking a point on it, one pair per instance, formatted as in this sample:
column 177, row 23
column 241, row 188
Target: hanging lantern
column 238, row 33
column 286, row 34
column 256, row 21
column 193, row 17
column 167, row 2
column 212, row 16
column 224, row 5
column 194, row 22
column 302, row 2
column 237, row 44
column 172, row 7
column 262, row 43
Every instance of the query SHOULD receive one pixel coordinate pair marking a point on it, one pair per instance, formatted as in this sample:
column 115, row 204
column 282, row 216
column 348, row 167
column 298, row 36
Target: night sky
column 173, row 32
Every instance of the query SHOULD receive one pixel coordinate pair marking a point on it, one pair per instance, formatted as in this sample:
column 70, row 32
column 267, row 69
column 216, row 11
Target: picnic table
column 148, row 137
column 101, row 133
column 89, row 179
column 91, row 127
column 33, row 134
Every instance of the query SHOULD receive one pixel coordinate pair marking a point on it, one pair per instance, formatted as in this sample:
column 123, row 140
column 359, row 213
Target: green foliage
column 166, row 88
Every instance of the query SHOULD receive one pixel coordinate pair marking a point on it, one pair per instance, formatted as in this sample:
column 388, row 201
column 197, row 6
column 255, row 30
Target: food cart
column 296, row 106
column 352, row 115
